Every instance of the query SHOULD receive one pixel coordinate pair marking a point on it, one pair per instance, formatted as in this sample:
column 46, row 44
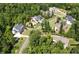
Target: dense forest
column 11, row 14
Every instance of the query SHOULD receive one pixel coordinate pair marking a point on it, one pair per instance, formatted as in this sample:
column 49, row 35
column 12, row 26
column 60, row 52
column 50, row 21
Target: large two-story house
column 36, row 19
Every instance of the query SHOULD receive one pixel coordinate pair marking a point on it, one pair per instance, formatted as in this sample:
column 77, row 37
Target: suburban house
column 57, row 26
column 36, row 19
column 69, row 19
column 58, row 12
column 18, row 28
column 63, row 39
column 68, row 22
column 53, row 10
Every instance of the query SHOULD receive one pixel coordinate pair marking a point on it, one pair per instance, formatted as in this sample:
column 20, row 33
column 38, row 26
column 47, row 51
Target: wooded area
column 11, row 14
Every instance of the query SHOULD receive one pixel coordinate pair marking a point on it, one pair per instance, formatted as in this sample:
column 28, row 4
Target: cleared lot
column 64, row 40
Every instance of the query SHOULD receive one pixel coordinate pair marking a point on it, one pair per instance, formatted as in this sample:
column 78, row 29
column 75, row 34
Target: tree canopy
column 11, row 14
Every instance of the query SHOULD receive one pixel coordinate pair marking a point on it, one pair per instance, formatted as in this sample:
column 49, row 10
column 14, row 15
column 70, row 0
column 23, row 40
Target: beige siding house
column 57, row 26
column 36, row 19
column 58, row 12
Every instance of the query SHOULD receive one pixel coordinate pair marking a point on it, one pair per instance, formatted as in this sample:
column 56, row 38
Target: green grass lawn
column 52, row 21
column 72, row 41
column 17, row 46
column 27, row 31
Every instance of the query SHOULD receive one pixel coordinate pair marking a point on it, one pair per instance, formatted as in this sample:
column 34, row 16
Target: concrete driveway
column 24, row 45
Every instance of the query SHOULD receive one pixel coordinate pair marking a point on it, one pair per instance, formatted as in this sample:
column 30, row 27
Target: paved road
column 24, row 45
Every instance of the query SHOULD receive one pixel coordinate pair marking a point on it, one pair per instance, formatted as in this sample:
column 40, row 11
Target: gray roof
column 69, row 18
column 18, row 27
column 38, row 18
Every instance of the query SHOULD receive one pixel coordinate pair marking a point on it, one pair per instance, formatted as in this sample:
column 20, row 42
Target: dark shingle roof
column 38, row 18
column 19, row 27
column 69, row 18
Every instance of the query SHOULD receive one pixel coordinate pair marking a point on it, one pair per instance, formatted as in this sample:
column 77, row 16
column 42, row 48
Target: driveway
column 24, row 45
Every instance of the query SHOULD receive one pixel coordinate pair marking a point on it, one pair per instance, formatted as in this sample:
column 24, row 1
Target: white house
column 36, row 19
column 18, row 28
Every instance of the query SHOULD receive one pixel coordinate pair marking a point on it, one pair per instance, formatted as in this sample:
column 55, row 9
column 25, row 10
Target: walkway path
column 24, row 45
